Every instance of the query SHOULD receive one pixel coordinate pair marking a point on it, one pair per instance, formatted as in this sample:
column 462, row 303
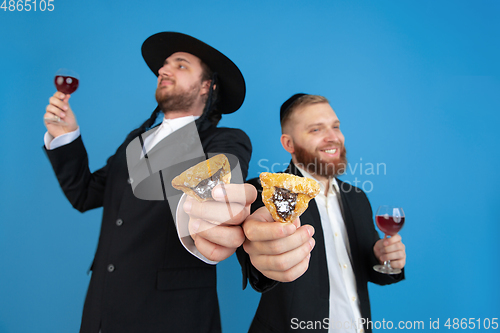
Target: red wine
column 390, row 224
column 66, row 84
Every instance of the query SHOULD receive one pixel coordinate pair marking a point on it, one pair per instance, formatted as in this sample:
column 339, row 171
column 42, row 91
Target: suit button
column 119, row 222
column 130, row 180
column 111, row 268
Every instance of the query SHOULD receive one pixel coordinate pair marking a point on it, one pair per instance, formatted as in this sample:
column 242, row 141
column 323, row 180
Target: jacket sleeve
column 232, row 141
column 84, row 190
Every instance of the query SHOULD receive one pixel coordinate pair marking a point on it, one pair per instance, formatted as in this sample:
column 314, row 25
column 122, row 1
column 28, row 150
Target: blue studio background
column 415, row 84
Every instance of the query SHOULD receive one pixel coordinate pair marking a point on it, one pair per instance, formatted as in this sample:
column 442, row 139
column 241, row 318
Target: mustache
column 166, row 79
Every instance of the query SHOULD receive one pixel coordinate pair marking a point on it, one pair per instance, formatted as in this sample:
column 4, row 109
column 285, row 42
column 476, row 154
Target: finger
column 59, row 103
column 392, row 240
column 213, row 251
column 392, row 248
column 282, row 245
column 398, row 263
column 393, row 256
column 260, row 226
column 290, row 275
column 244, row 194
column 257, row 231
column 226, row 236
column 216, row 212
column 55, row 111
column 282, row 262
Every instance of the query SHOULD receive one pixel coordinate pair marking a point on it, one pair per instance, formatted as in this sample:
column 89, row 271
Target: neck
column 322, row 179
column 172, row 114
column 178, row 114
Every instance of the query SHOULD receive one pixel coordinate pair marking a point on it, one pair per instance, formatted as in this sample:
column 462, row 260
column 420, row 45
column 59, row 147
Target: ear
column 205, row 87
column 287, row 143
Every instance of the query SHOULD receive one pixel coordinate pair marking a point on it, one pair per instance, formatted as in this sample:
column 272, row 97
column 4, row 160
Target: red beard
column 315, row 165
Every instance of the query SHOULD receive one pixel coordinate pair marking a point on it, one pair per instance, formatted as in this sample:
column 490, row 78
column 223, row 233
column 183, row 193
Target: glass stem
column 388, row 262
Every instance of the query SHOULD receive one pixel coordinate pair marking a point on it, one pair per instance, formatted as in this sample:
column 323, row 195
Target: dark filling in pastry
column 285, row 202
column 204, row 188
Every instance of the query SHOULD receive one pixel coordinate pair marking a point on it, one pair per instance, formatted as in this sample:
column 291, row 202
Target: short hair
column 301, row 102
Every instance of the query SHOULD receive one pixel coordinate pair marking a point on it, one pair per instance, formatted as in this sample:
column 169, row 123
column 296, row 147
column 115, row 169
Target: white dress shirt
column 345, row 312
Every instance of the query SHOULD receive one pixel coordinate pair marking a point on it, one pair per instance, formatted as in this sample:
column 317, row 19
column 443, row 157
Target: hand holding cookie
column 216, row 208
column 281, row 251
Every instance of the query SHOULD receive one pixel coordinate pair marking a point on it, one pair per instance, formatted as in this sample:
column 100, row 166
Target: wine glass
column 390, row 220
column 66, row 81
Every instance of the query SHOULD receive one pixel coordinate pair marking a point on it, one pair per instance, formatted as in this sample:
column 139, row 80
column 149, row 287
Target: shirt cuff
column 61, row 140
column 181, row 223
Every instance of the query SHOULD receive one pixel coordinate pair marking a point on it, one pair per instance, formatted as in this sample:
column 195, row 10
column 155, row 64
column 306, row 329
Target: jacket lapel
column 344, row 189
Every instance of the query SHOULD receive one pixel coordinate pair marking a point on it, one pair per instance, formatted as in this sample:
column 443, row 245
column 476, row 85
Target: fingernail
column 312, row 243
column 310, row 230
column 195, row 225
column 218, row 193
column 187, row 206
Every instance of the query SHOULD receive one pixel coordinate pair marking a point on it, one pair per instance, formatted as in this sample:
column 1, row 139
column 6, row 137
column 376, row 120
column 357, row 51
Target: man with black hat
column 143, row 279
column 331, row 294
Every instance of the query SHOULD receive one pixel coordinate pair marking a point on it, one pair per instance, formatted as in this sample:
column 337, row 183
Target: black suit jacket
column 307, row 298
column 143, row 280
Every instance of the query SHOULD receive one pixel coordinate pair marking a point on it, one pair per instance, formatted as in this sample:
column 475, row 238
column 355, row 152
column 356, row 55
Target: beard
column 178, row 99
column 316, row 165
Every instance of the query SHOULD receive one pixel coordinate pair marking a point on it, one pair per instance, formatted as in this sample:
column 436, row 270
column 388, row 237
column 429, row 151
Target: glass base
column 386, row 269
column 55, row 120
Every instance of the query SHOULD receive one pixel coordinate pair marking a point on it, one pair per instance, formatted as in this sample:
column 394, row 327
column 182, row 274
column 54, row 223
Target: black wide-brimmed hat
column 231, row 83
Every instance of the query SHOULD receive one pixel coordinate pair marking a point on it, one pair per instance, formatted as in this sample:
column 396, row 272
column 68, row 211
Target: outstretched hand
column 280, row 251
column 215, row 226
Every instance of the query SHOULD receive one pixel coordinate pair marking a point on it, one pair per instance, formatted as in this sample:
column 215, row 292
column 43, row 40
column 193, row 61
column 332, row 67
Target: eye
column 314, row 130
column 182, row 66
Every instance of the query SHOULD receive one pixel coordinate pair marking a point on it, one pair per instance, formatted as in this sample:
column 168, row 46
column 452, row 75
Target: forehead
column 184, row 56
column 314, row 114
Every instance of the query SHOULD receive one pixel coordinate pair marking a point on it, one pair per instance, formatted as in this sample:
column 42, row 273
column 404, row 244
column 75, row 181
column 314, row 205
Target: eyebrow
column 313, row 125
column 179, row 59
column 322, row 124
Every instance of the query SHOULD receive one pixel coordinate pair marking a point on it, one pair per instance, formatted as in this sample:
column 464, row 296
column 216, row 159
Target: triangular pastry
column 199, row 180
column 287, row 196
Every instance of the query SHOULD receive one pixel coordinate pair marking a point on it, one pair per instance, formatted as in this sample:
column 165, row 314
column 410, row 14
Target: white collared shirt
column 167, row 127
column 345, row 313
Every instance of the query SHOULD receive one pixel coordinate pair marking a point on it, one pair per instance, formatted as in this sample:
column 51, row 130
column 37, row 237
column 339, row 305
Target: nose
column 333, row 135
column 164, row 70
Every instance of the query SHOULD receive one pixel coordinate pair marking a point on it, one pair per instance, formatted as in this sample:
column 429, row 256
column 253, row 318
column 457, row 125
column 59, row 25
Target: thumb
column 296, row 222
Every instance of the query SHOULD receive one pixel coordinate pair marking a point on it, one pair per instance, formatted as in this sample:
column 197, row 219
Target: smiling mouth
column 330, row 151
